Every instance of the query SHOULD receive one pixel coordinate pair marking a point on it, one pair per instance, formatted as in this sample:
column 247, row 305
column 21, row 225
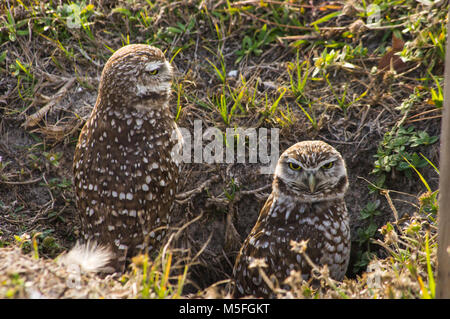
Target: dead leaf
column 391, row 58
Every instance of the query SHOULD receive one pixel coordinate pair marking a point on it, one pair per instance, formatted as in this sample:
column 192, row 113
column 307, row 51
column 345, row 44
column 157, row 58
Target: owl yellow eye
column 328, row 165
column 294, row 166
column 154, row 72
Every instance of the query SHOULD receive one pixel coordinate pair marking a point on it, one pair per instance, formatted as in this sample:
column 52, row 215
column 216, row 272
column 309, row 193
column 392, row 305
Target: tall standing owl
column 306, row 203
column 125, row 171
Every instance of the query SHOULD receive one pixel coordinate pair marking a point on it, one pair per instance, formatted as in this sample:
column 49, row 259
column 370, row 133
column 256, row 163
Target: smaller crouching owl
column 125, row 167
column 306, row 203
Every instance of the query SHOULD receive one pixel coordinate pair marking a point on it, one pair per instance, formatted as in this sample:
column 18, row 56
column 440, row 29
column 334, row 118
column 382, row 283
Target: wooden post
column 443, row 281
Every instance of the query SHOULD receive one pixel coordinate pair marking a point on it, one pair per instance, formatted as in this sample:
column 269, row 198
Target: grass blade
column 418, row 173
column 431, row 282
column 326, row 18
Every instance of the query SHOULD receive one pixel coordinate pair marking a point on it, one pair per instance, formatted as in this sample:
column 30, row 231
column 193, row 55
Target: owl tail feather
column 90, row 257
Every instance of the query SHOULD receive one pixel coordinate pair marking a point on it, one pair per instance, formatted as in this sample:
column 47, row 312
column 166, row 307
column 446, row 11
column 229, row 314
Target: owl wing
column 248, row 280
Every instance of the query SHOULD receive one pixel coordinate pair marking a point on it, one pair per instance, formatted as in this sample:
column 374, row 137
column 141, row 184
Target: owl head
column 136, row 72
column 311, row 171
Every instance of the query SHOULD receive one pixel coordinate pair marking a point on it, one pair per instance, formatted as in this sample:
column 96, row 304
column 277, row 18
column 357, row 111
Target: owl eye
column 294, row 166
column 154, row 72
column 328, row 165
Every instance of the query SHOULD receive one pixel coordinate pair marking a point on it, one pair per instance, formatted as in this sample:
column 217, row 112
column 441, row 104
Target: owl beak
column 312, row 182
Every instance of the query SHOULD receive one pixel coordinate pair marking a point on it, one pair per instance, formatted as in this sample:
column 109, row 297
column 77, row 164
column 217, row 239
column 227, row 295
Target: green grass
column 155, row 277
column 395, row 152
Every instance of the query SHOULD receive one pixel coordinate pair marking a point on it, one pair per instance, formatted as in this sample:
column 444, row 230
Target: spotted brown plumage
column 306, row 203
column 125, row 171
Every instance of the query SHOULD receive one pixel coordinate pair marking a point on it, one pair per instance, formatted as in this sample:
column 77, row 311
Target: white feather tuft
column 90, row 257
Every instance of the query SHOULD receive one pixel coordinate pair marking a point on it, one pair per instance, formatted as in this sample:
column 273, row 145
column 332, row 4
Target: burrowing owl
column 307, row 203
column 125, row 174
